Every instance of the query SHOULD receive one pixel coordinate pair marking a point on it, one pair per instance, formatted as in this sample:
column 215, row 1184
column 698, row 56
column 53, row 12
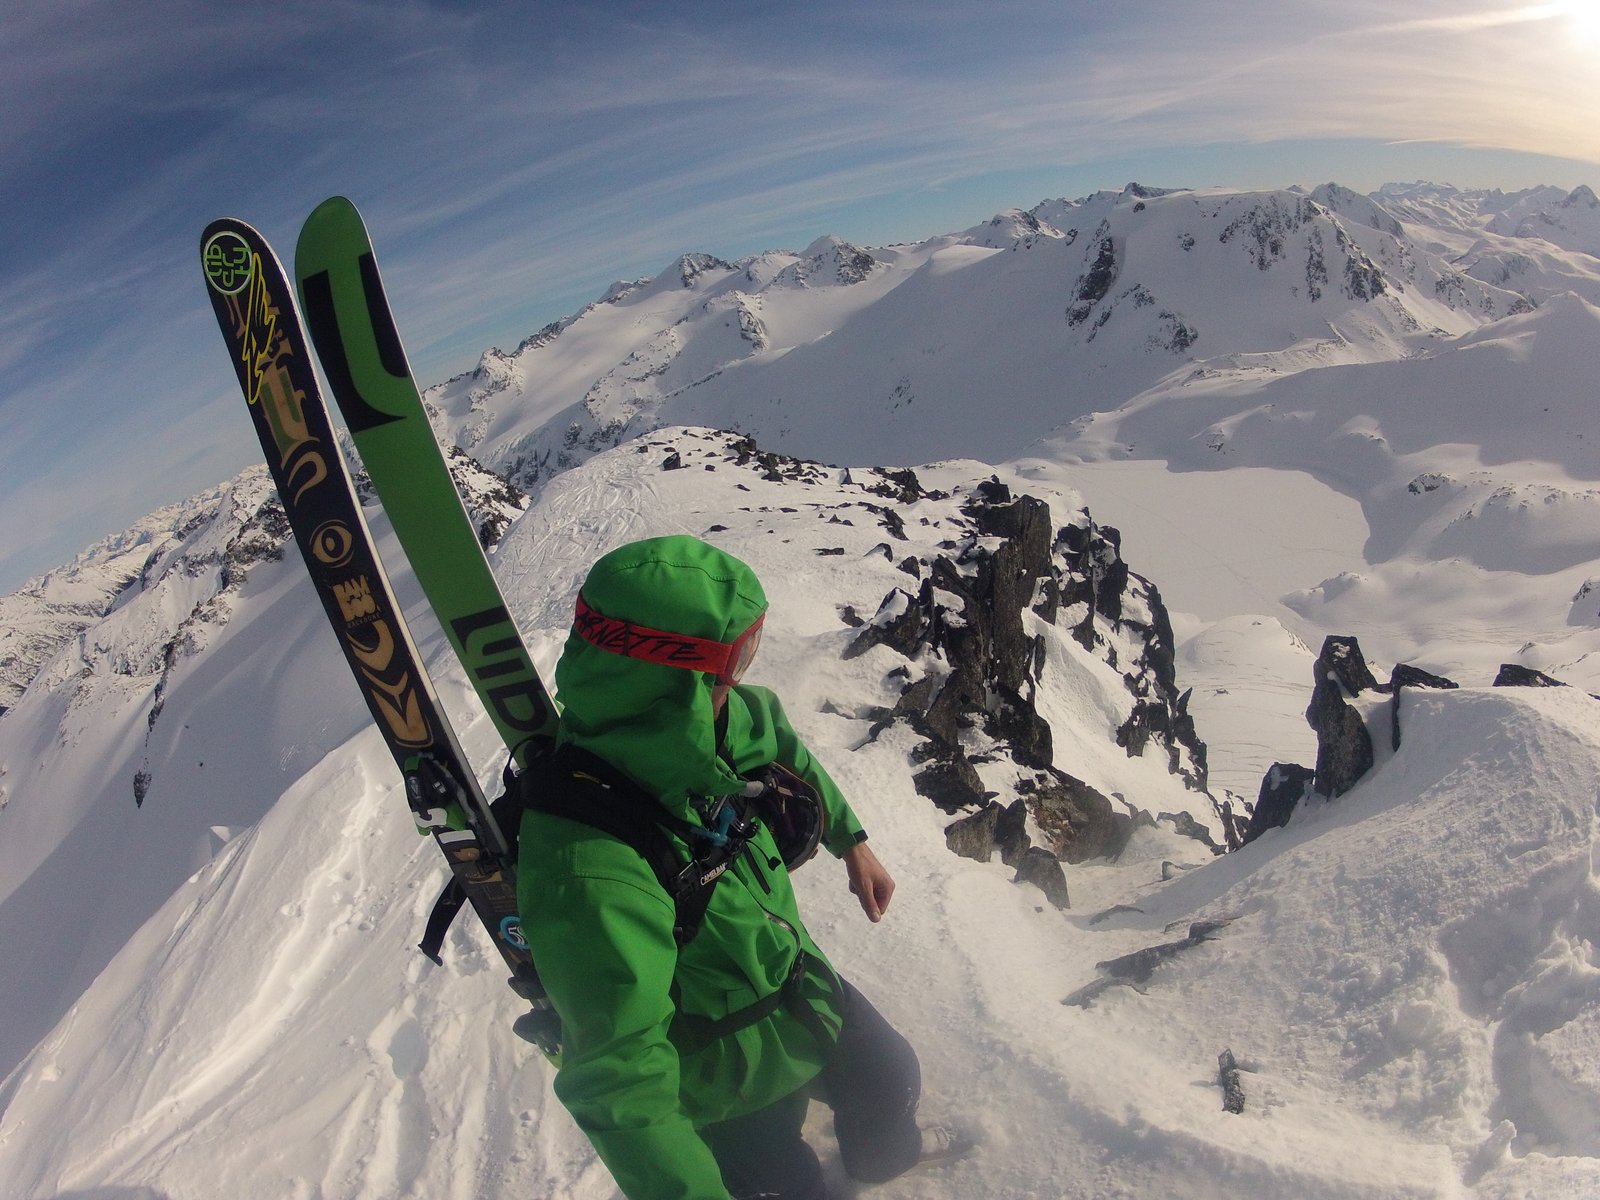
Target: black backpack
column 687, row 859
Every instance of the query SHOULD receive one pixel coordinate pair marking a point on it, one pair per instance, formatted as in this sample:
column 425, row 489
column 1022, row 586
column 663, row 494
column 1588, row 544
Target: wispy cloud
column 1467, row 22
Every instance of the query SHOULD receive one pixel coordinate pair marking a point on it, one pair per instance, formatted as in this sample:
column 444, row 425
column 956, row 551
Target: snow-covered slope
column 1475, row 461
column 45, row 613
column 1306, row 413
column 1411, row 1008
column 1540, row 242
column 1572, row 222
column 206, row 690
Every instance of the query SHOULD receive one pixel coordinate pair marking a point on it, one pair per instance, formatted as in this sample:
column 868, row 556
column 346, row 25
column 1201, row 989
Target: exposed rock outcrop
column 1511, row 675
column 1344, row 747
column 1043, row 870
column 1403, row 676
column 1344, row 709
column 976, row 613
column 1283, row 787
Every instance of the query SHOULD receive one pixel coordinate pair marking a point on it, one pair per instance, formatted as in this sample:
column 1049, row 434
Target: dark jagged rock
column 1344, row 745
column 1185, row 824
column 1406, row 675
column 1040, row 868
column 974, row 836
column 1141, row 964
column 1133, row 735
column 952, row 783
column 1011, row 833
column 1228, row 1077
column 1283, row 787
column 902, row 486
column 1099, row 576
column 992, row 491
column 1186, row 735
column 1511, row 675
column 974, row 615
column 1116, row 910
column 1079, row 822
column 1015, row 720
column 492, row 501
column 772, row 467
column 1342, row 660
column 899, row 624
column 1049, row 603
column 1013, row 572
column 1233, row 824
column 892, row 521
column 915, row 700
column 1344, row 748
column 1094, row 284
column 994, row 827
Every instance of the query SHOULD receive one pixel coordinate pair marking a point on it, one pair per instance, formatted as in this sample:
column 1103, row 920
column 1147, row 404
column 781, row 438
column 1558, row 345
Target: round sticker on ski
column 333, row 543
column 228, row 262
column 511, row 931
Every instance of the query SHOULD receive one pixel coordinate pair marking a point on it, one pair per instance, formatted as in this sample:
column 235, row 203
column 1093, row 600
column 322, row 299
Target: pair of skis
column 350, row 324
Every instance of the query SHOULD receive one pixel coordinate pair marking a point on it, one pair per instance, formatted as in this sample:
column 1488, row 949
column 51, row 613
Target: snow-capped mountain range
column 1267, row 417
column 1043, row 316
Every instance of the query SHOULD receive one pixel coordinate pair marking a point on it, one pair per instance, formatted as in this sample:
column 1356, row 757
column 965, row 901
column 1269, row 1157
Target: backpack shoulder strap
column 582, row 787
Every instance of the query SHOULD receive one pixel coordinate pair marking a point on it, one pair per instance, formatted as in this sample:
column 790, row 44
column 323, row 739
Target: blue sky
column 512, row 159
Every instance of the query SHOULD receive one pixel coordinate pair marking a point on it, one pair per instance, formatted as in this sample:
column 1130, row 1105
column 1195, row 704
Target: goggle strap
column 659, row 645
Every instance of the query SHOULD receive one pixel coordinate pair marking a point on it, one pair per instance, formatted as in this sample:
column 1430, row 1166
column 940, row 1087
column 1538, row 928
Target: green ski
column 365, row 364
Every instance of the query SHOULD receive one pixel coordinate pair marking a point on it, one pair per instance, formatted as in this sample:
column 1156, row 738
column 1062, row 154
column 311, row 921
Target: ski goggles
column 727, row 661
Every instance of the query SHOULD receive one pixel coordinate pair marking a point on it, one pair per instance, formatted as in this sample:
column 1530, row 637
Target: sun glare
column 1582, row 18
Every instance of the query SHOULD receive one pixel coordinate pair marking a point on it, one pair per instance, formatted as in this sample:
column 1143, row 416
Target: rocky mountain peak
column 831, row 261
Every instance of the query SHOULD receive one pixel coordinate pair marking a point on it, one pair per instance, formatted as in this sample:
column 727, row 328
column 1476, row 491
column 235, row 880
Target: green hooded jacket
column 601, row 926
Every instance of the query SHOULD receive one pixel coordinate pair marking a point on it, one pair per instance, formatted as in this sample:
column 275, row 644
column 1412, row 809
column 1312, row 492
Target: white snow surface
column 216, row 993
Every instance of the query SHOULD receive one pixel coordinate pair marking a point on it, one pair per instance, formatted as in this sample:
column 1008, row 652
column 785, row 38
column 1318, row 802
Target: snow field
column 1405, row 978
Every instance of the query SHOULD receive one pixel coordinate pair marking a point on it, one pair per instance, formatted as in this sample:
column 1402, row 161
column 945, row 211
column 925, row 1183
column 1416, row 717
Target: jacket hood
column 654, row 722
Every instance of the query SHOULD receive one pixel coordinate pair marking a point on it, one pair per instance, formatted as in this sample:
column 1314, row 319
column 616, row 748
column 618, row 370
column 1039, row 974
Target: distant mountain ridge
column 1039, row 317
column 1109, row 293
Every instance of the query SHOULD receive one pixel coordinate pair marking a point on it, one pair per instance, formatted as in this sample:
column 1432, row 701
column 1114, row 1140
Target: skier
column 690, row 1066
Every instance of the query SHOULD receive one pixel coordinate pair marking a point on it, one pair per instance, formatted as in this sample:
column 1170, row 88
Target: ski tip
column 228, row 248
column 224, row 225
column 335, row 208
column 333, row 226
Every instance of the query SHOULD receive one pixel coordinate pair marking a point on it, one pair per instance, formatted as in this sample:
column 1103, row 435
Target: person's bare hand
column 870, row 880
